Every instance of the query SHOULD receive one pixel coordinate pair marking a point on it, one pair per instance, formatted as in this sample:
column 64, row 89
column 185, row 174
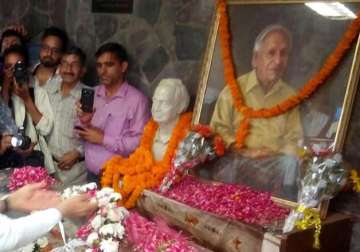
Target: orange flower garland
column 140, row 170
column 308, row 89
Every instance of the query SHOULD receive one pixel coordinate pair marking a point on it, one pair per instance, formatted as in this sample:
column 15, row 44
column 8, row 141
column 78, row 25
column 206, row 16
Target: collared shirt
column 62, row 138
column 15, row 233
column 122, row 119
column 47, row 85
column 280, row 133
column 37, row 132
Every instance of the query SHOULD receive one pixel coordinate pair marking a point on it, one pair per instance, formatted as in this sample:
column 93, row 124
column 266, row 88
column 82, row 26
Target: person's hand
column 33, row 197
column 18, row 28
column 91, row 134
column 84, row 117
column 27, row 152
column 68, row 160
column 5, row 143
column 77, row 206
column 22, row 90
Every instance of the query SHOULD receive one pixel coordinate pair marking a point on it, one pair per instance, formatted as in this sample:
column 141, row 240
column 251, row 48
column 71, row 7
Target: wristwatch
column 4, row 204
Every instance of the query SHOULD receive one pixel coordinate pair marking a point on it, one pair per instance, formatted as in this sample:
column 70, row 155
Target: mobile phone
column 87, row 100
column 20, row 73
column 78, row 127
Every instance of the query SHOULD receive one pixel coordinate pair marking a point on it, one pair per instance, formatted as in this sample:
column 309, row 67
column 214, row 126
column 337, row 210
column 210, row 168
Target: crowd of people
column 46, row 105
column 70, row 143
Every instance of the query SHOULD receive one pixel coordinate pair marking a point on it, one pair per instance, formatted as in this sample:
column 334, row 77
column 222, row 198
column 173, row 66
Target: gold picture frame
column 247, row 18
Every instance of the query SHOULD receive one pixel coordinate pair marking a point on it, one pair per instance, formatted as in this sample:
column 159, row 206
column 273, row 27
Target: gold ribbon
column 311, row 219
column 355, row 180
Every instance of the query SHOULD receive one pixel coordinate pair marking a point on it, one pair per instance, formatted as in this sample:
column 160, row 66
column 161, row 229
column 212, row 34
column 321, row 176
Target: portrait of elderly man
column 268, row 162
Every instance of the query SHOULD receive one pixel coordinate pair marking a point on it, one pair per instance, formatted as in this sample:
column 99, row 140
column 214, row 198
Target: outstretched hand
column 33, row 197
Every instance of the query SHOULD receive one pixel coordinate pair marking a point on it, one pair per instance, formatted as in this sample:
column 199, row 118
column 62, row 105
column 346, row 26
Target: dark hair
column 17, row 49
column 118, row 50
column 12, row 33
column 56, row 32
column 74, row 50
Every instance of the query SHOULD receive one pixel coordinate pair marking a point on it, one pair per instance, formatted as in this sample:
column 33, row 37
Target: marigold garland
column 140, row 170
column 308, row 89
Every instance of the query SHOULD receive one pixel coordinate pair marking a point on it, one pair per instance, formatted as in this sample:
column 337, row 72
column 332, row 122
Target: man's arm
column 46, row 122
column 127, row 140
column 222, row 118
column 15, row 233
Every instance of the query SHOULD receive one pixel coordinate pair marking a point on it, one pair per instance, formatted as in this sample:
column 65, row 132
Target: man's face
column 9, row 41
column 71, row 69
column 9, row 64
column 270, row 61
column 164, row 108
column 50, row 52
column 109, row 69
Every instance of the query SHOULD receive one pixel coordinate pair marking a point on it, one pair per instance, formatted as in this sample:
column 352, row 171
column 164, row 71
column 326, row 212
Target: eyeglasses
column 54, row 50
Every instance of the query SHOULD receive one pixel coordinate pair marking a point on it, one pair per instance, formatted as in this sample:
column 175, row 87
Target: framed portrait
column 303, row 39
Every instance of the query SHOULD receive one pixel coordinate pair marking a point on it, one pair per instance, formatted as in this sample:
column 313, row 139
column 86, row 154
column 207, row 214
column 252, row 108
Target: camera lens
column 21, row 141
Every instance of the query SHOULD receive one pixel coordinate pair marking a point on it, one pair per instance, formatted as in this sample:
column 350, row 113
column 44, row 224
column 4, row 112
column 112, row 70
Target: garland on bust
column 141, row 170
column 308, row 89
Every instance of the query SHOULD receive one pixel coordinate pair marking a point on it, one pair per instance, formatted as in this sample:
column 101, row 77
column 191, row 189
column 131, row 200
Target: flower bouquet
column 105, row 230
column 324, row 177
column 28, row 175
column 199, row 146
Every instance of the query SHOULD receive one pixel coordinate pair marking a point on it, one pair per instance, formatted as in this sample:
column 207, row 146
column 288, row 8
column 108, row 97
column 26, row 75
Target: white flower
column 89, row 250
column 120, row 230
column 115, row 196
column 102, row 202
column 92, row 238
column 42, row 242
column 90, row 186
column 107, row 229
column 97, row 222
column 114, row 215
column 109, row 246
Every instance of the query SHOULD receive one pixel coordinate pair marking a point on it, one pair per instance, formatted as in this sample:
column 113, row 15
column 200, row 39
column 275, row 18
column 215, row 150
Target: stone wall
column 165, row 38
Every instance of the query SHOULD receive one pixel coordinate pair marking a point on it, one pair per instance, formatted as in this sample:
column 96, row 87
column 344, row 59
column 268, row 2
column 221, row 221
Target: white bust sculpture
column 170, row 99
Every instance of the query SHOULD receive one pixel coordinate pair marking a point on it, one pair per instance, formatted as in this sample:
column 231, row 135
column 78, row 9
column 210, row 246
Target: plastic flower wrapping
column 28, row 175
column 154, row 236
column 324, row 177
column 199, row 146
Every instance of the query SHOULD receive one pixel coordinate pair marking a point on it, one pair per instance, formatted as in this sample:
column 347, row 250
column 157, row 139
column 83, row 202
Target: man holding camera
column 65, row 148
column 30, row 106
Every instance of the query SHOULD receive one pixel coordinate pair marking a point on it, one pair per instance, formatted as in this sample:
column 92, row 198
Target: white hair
column 269, row 29
column 180, row 92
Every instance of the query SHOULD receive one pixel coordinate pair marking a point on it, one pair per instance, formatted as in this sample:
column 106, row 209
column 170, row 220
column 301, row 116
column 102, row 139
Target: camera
column 20, row 140
column 20, row 73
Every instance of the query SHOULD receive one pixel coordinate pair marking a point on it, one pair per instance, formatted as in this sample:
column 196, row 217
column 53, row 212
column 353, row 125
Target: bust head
column 170, row 99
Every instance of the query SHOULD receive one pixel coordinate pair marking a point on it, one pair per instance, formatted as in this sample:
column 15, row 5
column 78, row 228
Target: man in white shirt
column 15, row 233
column 63, row 93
